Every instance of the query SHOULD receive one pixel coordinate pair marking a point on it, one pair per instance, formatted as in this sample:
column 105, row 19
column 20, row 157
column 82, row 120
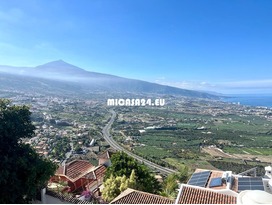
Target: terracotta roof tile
column 96, row 173
column 95, row 178
column 194, row 195
column 75, row 169
column 131, row 196
column 100, row 172
column 89, row 175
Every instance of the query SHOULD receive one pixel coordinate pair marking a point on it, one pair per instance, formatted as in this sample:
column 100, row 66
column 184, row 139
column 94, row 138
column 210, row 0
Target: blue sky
column 215, row 45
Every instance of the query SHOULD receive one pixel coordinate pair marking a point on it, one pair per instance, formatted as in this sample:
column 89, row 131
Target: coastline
column 250, row 100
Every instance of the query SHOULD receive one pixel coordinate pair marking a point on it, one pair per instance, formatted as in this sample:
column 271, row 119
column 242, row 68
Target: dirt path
column 216, row 152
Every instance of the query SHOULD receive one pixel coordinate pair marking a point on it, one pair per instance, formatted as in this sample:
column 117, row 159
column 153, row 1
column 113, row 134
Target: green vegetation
column 61, row 147
column 113, row 186
column 23, row 172
column 170, row 184
column 153, row 152
column 174, row 135
column 238, row 167
column 122, row 164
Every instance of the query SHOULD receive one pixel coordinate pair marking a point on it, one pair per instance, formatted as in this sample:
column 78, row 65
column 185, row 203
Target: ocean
column 251, row 100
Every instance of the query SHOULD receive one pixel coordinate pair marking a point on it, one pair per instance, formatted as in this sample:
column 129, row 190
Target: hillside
column 59, row 75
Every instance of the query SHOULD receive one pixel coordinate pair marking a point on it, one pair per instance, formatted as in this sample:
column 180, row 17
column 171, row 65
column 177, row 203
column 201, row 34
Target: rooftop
column 217, row 187
column 219, row 174
column 195, row 195
column 75, row 169
column 96, row 176
column 99, row 172
column 131, row 196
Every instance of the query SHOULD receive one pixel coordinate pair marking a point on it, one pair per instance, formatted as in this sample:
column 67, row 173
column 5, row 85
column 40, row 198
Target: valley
column 192, row 132
column 191, row 129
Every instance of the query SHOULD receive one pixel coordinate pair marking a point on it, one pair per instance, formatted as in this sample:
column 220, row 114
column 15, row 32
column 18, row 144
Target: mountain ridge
column 60, row 65
column 64, row 72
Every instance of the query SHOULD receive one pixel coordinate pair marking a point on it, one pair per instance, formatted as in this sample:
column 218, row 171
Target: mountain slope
column 63, row 73
column 59, row 67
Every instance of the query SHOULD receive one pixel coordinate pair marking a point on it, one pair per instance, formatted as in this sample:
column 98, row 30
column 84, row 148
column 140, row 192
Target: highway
column 116, row 146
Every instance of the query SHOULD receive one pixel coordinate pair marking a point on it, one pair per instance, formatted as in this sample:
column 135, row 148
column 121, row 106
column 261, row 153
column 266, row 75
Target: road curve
column 116, row 146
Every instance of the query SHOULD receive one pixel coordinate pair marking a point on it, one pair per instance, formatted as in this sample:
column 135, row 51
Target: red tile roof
column 95, row 178
column 96, row 173
column 75, row 169
column 100, row 172
column 131, row 196
column 194, row 195
column 90, row 175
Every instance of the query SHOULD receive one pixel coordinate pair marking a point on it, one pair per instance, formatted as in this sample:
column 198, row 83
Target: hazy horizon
column 214, row 46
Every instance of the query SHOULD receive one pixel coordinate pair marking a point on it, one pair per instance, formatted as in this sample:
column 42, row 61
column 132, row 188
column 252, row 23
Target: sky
column 219, row 46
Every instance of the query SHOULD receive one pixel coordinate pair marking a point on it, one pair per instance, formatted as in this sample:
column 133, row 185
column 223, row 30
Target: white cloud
column 247, row 86
column 160, row 78
column 187, row 84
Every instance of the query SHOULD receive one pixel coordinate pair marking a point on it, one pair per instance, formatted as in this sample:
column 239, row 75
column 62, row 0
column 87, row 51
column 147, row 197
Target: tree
column 123, row 183
column 23, row 172
column 122, row 164
column 113, row 186
column 170, row 186
column 183, row 174
column 132, row 180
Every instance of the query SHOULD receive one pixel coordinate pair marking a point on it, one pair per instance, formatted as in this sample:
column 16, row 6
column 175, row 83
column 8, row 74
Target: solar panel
column 199, row 178
column 250, row 183
column 216, row 182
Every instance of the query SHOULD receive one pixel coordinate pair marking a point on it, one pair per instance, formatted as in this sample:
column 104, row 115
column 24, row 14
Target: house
column 95, row 178
column 131, row 196
column 203, row 187
column 211, row 187
column 78, row 174
column 198, row 195
column 224, row 187
column 72, row 173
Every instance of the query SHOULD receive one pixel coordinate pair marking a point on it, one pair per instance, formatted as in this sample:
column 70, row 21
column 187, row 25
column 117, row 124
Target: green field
column 178, row 143
column 153, row 152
